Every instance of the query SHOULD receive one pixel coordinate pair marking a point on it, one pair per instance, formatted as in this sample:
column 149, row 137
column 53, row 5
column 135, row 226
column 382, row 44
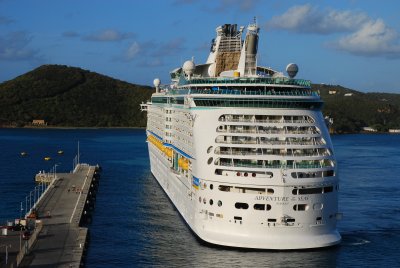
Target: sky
column 353, row 43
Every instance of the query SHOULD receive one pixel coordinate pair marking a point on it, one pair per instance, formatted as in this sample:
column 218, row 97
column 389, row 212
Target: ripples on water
column 135, row 224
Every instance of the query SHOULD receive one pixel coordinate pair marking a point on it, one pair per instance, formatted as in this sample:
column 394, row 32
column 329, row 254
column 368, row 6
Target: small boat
column 24, row 153
column 47, row 158
column 60, row 152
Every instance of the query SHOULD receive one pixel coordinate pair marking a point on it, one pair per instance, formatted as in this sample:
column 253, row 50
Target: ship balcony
column 223, row 82
column 315, row 141
column 319, row 152
column 274, row 164
column 270, row 91
column 268, row 130
column 266, row 119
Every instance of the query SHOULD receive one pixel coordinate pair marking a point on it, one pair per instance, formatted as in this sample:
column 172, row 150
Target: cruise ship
column 243, row 151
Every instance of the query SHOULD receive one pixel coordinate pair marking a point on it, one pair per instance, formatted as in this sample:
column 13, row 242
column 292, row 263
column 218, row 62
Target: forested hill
column 352, row 110
column 68, row 96
column 72, row 97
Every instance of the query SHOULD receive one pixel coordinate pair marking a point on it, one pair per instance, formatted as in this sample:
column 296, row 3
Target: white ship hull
column 254, row 230
column 245, row 156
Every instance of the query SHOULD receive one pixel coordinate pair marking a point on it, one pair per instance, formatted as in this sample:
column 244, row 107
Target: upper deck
column 245, row 81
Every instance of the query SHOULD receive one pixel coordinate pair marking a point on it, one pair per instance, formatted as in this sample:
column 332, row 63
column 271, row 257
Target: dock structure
column 60, row 237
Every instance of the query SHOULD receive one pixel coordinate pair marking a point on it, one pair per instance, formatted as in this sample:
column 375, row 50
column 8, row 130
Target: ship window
column 262, row 207
column 224, row 188
column 271, row 220
column 204, row 201
column 219, row 203
column 200, row 199
column 259, row 206
column 270, row 191
column 210, row 160
column 240, row 205
column 211, row 202
column 310, row 191
column 218, row 172
column 211, row 186
column 267, row 103
column 300, row 207
column 251, row 190
column 209, row 149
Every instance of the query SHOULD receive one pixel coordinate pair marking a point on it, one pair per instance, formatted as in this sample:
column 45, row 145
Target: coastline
column 144, row 128
column 61, row 127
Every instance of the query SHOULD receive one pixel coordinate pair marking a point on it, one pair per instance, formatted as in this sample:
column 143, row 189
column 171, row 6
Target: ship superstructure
column 243, row 151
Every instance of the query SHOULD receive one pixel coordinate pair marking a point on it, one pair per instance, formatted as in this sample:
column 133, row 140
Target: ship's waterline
column 243, row 151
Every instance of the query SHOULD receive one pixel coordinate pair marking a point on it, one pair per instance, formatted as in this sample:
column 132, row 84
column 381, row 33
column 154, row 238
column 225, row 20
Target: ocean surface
column 135, row 225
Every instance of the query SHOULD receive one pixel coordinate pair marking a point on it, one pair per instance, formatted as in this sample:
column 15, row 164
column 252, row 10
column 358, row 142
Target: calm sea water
column 134, row 223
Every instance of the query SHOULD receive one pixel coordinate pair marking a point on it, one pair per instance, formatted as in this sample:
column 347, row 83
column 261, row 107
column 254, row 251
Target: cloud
column 221, row 5
column 5, row 20
column 108, row 35
column 132, row 51
column 374, row 38
column 70, row 34
column 364, row 36
column 14, row 47
column 308, row 19
column 151, row 53
column 172, row 47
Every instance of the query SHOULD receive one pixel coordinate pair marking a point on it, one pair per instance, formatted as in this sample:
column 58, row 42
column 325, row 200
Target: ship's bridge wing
column 265, row 71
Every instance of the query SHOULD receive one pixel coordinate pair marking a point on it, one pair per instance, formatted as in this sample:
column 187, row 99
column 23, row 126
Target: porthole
column 211, row 202
column 219, row 203
column 240, row 205
column 211, row 186
column 210, row 160
column 204, row 201
column 209, row 149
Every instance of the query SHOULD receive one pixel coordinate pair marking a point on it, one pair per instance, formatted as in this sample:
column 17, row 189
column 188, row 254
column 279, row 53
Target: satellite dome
column 188, row 67
column 292, row 69
column 156, row 82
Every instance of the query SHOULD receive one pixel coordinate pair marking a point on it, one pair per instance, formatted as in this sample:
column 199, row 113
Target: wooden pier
column 59, row 238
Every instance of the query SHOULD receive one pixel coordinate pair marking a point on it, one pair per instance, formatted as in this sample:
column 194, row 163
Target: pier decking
column 59, row 239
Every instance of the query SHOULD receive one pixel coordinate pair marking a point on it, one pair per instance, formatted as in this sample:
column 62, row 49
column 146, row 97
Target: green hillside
column 71, row 97
column 352, row 113
column 68, row 96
